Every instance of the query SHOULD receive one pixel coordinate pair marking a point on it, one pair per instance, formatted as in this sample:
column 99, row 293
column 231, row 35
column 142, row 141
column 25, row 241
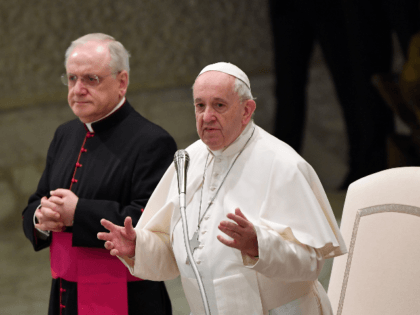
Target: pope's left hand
column 242, row 232
column 66, row 202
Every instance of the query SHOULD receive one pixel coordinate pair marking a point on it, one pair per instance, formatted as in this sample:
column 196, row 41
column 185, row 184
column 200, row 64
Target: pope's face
column 88, row 102
column 219, row 114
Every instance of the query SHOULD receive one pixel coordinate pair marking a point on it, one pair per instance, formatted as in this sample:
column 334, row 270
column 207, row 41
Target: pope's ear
column 123, row 81
column 249, row 109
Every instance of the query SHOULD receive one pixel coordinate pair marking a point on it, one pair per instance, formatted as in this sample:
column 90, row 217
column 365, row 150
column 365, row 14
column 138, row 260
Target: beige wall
column 169, row 40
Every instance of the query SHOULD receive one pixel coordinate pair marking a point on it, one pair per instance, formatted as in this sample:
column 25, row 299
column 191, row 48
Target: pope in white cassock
column 263, row 221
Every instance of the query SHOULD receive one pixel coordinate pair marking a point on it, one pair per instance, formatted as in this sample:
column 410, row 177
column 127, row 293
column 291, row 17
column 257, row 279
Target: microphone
column 182, row 161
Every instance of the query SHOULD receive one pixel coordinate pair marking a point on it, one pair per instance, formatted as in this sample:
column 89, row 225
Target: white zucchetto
column 228, row 68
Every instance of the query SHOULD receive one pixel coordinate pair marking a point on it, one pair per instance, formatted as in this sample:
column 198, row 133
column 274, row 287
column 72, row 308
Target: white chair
column 381, row 228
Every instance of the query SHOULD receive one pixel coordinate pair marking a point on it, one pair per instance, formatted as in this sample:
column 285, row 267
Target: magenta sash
column 101, row 278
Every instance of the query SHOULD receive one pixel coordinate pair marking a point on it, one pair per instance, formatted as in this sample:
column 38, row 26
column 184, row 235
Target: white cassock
column 279, row 193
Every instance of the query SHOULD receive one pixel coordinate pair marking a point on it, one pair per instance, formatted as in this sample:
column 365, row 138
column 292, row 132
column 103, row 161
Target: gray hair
column 119, row 55
column 243, row 91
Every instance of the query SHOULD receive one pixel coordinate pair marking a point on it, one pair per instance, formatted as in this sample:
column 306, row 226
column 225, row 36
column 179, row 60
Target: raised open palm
column 120, row 240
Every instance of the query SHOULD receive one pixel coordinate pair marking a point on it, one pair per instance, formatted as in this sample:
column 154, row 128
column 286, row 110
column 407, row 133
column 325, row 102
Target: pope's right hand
column 120, row 240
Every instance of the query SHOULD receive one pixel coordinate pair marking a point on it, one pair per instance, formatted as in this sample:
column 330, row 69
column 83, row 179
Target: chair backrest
column 381, row 228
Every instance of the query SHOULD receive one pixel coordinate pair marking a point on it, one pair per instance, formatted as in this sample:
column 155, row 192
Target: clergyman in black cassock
column 112, row 165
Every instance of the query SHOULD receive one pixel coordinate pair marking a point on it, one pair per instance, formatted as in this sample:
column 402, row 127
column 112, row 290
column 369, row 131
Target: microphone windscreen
column 181, row 161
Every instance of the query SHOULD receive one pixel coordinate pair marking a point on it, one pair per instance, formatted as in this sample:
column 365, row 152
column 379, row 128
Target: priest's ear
column 122, row 78
column 249, row 109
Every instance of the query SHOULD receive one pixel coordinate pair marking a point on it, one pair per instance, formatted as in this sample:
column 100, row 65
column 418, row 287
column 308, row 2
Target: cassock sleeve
column 42, row 190
column 154, row 158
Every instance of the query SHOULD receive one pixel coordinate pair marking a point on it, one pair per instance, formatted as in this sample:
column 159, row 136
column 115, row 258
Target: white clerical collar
column 238, row 144
column 89, row 125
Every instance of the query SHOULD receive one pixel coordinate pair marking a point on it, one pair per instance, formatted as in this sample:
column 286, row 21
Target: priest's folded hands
column 48, row 219
column 56, row 212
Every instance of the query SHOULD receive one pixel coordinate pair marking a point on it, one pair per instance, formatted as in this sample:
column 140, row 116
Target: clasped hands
column 57, row 211
column 121, row 241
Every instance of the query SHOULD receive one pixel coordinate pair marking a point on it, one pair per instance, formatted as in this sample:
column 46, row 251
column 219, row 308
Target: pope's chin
column 213, row 144
column 211, row 137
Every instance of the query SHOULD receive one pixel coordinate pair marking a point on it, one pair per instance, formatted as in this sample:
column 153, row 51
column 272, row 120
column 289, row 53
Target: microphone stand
column 181, row 161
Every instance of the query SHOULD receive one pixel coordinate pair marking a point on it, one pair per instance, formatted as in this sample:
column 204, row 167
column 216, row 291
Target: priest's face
column 94, row 90
column 219, row 114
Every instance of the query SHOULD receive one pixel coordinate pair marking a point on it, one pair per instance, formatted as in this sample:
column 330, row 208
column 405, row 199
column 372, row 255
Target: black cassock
column 117, row 170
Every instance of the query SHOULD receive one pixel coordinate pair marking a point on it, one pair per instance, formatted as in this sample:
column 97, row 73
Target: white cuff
column 249, row 261
column 44, row 233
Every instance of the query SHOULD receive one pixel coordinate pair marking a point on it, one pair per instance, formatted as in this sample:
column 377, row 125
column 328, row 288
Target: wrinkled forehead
column 214, row 83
